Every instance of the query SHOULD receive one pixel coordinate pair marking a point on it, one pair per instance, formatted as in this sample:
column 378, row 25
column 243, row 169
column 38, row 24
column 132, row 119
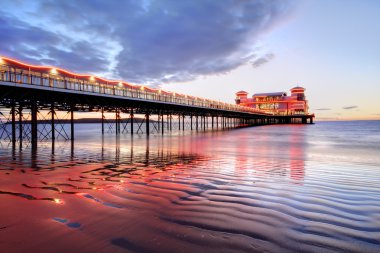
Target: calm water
column 294, row 188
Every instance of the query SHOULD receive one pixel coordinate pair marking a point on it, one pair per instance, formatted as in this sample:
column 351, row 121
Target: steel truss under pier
column 37, row 103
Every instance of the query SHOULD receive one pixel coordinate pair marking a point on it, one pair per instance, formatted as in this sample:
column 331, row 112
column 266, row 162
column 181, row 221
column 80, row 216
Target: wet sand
column 262, row 189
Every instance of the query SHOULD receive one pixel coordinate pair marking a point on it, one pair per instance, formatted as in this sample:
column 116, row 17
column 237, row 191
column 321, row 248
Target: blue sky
column 211, row 48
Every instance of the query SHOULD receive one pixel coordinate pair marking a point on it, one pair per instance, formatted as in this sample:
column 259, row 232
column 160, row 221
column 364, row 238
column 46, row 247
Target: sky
column 210, row 48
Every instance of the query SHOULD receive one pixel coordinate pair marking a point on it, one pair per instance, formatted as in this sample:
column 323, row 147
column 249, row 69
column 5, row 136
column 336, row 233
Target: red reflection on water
column 297, row 153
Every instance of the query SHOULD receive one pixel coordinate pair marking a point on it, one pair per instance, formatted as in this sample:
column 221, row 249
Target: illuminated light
column 120, row 84
column 58, row 201
column 55, row 70
column 121, row 181
column 92, row 78
column 94, row 188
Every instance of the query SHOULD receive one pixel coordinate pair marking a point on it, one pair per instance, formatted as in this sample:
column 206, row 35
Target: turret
column 241, row 95
column 298, row 93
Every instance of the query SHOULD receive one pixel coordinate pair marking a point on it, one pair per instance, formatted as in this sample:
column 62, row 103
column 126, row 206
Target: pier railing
column 22, row 74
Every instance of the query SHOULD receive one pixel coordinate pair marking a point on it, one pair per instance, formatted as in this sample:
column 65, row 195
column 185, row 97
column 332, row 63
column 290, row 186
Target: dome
column 297, row 88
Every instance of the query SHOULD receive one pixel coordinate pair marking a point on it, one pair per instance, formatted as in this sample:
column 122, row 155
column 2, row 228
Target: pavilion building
column 277, row 103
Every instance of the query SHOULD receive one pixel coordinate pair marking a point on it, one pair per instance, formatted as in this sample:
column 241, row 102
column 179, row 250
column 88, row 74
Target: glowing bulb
column 1, row 60
column 53, row 71
column 92, row 78
column 142, row 88
column 58, row 201
column 120, row 84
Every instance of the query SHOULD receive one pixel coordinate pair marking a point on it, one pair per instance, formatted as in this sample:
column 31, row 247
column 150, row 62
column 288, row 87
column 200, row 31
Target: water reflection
column 246, row 190
column 297, row 149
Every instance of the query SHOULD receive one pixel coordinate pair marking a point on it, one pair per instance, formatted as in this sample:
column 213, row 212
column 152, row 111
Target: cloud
column 143, row 41
column 262, row 60
column 323, row 109
column 36, row 45
column 350, row 107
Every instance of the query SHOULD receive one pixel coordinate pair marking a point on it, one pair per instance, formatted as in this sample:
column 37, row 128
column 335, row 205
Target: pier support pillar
column 52, row 111
column 72, row 123
column 191, row 122
column 13, row 112
column 196, row 123
column 131, row 116
column 147, row 124
column 183, row 122
column 34, row 130
column 162, row 123
column 20, row 123
column 117, row 121
column 102, row 120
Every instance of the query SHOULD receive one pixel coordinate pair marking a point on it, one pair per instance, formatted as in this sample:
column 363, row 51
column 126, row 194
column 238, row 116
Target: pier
column 39, row 102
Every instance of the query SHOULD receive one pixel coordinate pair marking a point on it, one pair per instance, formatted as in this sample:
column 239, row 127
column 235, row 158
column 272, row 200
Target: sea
column 277, row 188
